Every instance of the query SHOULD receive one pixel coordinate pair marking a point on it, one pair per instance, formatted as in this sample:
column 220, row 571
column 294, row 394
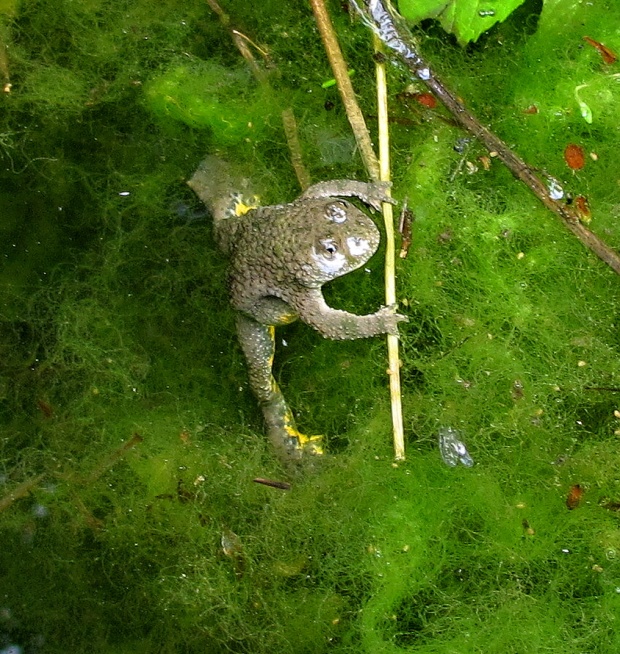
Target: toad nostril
column 337, row 214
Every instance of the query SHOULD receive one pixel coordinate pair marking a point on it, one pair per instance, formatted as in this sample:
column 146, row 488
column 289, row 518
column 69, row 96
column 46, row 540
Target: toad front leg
column 342, row 325
column 258, row 344
column 372, row 194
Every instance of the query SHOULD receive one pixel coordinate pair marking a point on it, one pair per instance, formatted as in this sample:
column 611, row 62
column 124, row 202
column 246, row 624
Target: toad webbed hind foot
column 258, row 344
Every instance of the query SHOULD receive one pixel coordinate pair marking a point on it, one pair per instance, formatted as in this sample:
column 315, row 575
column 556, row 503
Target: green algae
column 199, row 96
column 114, row 322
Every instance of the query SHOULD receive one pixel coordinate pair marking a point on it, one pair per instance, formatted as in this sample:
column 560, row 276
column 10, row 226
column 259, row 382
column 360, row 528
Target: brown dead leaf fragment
column 583, row 209
column 609, row 56
column 574, row 156
column 574, row 496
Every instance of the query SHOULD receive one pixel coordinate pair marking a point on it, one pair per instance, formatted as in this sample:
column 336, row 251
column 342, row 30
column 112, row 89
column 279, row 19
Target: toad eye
column 336, row 212
column 330, row 248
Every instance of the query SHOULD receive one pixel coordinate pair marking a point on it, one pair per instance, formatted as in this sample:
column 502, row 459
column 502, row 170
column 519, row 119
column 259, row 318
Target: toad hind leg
column 258, row 345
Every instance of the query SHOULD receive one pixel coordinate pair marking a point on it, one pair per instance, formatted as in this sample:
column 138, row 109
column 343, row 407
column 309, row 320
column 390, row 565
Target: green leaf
column 466, row 19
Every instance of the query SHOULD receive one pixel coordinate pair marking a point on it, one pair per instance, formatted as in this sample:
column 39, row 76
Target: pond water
column 130, row 520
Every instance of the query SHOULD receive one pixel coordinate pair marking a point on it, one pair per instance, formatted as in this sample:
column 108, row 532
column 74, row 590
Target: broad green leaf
column 466, row 19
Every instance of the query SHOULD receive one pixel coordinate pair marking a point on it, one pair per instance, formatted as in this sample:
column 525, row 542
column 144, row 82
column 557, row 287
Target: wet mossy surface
column 123, row 392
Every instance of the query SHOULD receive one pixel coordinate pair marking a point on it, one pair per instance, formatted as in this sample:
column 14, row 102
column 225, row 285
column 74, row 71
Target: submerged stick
column 390, row 256
column 112, row 458
column 282, row 485
column 289, row 123
column 240, row 40
column 4, row 69
column 339, row 68
column 20, row 491
column 294, row 146
column 6, row 15
column 386, row 24
column 377, row 170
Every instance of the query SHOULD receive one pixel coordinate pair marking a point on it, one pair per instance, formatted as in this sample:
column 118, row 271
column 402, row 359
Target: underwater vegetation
column 141, row 506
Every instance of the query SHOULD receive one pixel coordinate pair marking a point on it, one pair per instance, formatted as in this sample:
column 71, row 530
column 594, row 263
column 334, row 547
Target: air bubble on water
column 556, row 192
column 424, row 73
column 40, row 511
column 12, row 649
column 452, row 449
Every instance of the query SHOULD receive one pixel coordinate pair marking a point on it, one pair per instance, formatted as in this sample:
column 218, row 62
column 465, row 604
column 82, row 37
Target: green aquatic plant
column 115, row 329
column 208, row 95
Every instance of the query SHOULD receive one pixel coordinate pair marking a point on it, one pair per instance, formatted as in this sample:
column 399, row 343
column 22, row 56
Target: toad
column 280, row 257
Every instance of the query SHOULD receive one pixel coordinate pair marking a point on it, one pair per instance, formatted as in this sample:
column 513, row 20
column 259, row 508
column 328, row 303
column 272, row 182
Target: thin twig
column 377, row 170
column 104, row 465
column 292, row 140
column 6, row 16
column 19, row 491
column 387, row 25
column 241, row 42
column 339, row 68
column 405, row 229
column 282, row 485
column 289, row 123
column 390, row 256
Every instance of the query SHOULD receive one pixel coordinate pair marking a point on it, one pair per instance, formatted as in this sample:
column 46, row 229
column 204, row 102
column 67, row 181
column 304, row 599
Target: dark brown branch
column 105, row 464
column 19, row 491
column 389, row 28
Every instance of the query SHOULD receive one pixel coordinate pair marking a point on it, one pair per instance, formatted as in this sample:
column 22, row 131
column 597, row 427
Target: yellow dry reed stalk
column 377, row 170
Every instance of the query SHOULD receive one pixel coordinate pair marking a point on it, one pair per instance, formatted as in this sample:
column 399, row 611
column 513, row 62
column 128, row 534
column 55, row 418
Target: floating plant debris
column 272, row 483
column 583, row 209
column 46, row 409
column 233, row 549
column 574, row 496
column 574, row 156
column 527, row 528
column 426, row 100
column 609, row 56
column 406, row 219
column 606, row 503
column 586, row 112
